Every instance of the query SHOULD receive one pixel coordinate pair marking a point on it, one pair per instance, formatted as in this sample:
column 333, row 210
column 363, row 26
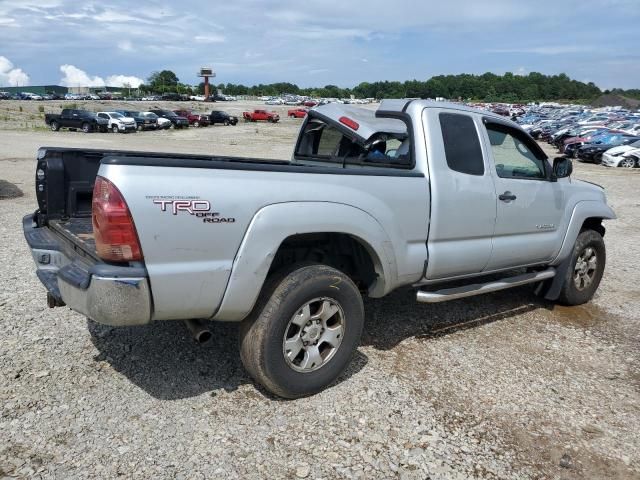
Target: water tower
column 206, row 73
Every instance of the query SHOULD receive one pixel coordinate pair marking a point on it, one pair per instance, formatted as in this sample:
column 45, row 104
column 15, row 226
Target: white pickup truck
column 452, row 201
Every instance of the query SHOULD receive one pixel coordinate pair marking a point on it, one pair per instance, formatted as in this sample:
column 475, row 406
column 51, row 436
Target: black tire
column 263, row 333
column 172, row 126
column 196, row 124
column 55, row 126
column 114, row 128
column 86, row 128
column 139, row 128
column 597, row 158
column 226, row 123
column 571, row 294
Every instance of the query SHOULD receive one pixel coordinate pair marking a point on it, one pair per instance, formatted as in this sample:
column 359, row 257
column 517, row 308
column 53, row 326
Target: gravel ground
column 498, row 386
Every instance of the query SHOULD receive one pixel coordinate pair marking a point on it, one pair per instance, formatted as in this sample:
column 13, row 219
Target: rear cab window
column 322, row 141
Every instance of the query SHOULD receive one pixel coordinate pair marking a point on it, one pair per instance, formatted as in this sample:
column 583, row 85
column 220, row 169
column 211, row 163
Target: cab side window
column 512, row 157
column 461, row 143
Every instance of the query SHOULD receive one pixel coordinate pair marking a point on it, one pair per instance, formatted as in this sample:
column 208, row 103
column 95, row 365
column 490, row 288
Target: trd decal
column 198, row 208
column 190, row 206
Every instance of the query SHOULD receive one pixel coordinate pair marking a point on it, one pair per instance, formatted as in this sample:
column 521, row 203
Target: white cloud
column 124, row 80
column 125, row 45
column 211, row 38
column 9, row 75
column 75, row 77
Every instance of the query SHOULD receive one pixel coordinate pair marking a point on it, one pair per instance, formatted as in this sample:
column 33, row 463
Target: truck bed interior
column 78, row 231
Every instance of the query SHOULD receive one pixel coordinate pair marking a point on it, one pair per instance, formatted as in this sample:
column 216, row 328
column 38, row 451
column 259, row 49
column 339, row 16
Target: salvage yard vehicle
column 176, row 120
column 143, row 122
column 261, row 115
column 195, row 119
column 118, row 122
column 76, row 120
column 218, row 116
column 297, row 113
column 163, row 123
column 447, row 199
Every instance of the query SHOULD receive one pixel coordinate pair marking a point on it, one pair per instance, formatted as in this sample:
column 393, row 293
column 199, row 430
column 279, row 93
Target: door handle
column 507, row 196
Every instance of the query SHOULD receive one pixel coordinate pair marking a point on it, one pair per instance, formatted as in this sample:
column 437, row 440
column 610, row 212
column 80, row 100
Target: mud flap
column 550, row 289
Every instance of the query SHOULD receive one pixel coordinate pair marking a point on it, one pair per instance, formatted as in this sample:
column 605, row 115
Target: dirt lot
column 499, row 386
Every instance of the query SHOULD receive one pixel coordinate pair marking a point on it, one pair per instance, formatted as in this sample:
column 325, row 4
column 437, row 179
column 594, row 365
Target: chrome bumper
column 110, row 300
column 112, row 295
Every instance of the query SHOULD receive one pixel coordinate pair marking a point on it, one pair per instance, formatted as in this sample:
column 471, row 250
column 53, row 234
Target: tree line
column 487, row 87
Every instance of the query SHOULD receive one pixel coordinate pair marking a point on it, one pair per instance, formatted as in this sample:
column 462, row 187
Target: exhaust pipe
column 199, row 330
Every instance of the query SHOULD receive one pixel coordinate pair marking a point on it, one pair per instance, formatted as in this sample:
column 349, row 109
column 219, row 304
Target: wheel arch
column 586, row 214
column 279, row 234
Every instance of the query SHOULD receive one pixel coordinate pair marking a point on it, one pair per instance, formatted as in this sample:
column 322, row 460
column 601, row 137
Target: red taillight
column 113, row 228
column 352, row 124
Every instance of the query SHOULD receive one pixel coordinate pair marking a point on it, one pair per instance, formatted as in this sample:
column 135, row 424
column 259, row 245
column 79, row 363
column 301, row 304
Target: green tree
column 164, row 81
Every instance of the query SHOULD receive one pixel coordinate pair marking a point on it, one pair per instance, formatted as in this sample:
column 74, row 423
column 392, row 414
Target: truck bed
column 78, row 231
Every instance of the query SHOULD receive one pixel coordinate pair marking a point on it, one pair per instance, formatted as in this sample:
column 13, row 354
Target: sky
column 316, row 42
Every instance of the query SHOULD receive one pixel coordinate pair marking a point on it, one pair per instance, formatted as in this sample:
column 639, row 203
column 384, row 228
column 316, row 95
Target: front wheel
column 114, row 129
column 627, row 162
column 196, row 124
column 303, row 331
column 226, row 123
column 86, row 128
column 585, row 270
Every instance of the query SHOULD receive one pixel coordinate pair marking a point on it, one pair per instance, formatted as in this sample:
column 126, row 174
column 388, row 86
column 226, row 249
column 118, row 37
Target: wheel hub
column 585, row 269
column 313, row 334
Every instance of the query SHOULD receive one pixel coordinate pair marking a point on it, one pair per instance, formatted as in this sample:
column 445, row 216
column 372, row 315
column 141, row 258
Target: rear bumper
column 112, row 295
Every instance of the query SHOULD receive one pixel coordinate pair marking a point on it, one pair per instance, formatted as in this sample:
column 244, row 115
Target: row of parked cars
column 609, row 137
column 123, row 121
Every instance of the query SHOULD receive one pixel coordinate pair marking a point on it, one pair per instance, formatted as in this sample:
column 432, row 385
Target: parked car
column 218, row 116
column 176, row 120
column 118, row 122
column 593, row 152
column 289, row 248
column 76, row 119
column 172, row 97
column 30, row 96
column 297, row 113
column 143, row 122
column 626, row 156
column 195, row 119
column 163, row 123
column 260, row 115
column 5, row 95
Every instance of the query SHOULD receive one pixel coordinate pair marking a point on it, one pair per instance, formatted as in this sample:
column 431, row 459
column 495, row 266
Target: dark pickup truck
column 76, row 119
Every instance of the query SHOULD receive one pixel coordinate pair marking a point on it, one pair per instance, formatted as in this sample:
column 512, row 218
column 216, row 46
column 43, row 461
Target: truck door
column 74, row 119
column 530, row 206
column 463, row 199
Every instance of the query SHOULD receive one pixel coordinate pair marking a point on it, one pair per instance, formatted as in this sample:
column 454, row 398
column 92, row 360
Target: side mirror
column 562, row 168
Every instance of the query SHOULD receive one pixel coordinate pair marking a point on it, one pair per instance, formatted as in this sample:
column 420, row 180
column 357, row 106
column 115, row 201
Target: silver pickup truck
column 452, row 201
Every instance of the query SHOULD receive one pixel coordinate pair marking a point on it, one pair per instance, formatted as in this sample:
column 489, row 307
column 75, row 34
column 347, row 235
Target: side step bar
column 480, row 288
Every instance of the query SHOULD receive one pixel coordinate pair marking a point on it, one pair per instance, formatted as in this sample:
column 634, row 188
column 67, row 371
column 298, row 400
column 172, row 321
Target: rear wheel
column 226, row 123
column 585, row 270
column 597, row 158
column 55, row 126
column 196, row 124
column 86, row 128
column 139, row 128
column 303, row 331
